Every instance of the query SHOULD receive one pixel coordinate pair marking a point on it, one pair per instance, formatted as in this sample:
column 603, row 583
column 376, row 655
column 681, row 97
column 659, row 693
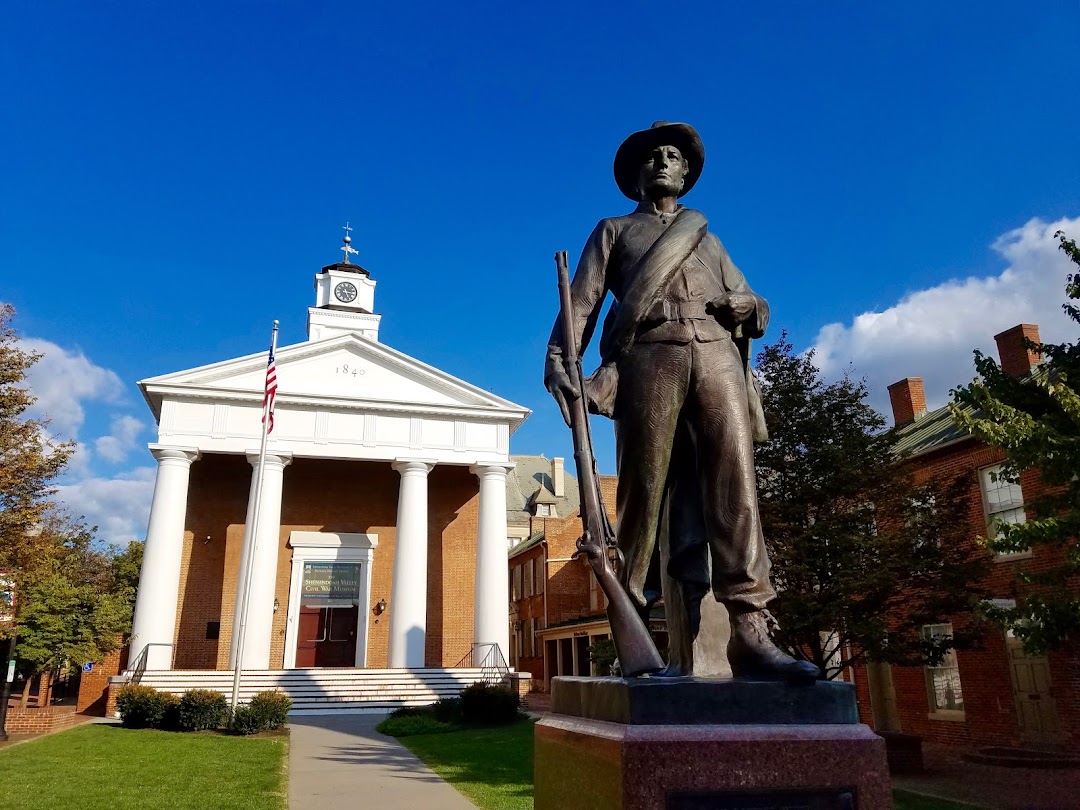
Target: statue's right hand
column 557, row 382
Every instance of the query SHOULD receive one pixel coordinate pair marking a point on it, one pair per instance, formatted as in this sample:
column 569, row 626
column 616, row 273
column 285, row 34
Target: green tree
column 863, row 557
column 73, row 600
column 126, row 566
column 1036, row 420
column 77, row 610
column 30, row 459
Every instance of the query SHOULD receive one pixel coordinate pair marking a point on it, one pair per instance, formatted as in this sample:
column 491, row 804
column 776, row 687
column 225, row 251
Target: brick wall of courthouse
column 94, row 685
column 990, row 716
column 324, row 496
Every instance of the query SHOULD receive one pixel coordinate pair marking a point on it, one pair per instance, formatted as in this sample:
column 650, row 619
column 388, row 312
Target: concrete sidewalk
column 948, row 776
column 340, row 761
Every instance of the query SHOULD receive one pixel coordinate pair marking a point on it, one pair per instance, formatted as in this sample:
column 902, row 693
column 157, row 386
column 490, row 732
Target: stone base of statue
column 699, row 744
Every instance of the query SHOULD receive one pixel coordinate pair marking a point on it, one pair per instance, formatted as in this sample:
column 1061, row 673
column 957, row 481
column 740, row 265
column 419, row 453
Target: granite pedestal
column 699, row 744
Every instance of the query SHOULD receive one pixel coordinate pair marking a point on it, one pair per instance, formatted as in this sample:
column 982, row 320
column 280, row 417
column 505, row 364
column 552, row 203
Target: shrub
column 602, row 653
column 202, row 710
column 413, row 711
column 271, row 708
column 146, row 707
column 446, row 710
column 266, row 710
column 410, row 724
column 170, row 715
column 245, row 720
column 485, row 704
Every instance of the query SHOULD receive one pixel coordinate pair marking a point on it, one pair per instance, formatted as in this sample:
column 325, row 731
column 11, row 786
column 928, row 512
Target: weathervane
column 347, row 247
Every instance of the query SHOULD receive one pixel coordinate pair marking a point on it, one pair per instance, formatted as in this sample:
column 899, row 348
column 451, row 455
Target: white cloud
column 121, row 439
column 79, row 462
column 62, row 381
column 119, row 507
column 931, row 333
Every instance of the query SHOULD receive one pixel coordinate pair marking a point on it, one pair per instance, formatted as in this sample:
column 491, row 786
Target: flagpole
column 252, row 538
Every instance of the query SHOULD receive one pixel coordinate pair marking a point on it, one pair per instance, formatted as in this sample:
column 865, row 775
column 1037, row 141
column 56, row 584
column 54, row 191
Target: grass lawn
column 903, row 800
column 120, row 769
column 493, row 767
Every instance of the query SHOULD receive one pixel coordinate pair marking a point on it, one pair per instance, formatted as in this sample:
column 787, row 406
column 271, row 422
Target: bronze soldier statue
column 675, row 379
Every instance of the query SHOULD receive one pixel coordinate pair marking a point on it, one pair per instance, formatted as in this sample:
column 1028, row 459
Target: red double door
column 327, row 636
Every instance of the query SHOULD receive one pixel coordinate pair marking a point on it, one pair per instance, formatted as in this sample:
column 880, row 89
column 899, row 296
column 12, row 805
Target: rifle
column 634, row 646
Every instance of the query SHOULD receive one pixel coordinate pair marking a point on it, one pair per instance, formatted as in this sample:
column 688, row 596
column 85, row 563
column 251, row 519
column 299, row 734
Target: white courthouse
column 382, row 527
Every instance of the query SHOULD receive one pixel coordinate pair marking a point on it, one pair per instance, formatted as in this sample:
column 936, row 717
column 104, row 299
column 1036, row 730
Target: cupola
column 344, row 299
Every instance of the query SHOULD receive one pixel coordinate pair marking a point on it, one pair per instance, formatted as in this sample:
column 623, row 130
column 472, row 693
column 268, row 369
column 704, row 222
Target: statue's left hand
column 741, row 305
column 734, row 308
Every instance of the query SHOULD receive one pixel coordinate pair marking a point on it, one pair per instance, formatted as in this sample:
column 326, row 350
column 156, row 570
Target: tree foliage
column 863, row 556
column 73, row 599
column 1036, row 421
column 75, row 611
column 30, row 459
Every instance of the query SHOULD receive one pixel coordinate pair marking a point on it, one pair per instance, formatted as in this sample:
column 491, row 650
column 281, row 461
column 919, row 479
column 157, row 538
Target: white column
column 408, row 594
column 159, row 581
column 265, row 529
column 492, row 594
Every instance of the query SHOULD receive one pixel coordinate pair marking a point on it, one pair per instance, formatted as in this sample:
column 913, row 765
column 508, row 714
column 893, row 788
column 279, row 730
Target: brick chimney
column 1016, row 358
column 908, row 400
column 558, row 481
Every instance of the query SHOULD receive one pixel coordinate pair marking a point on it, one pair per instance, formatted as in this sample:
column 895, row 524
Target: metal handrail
column 488, row 658
column 140, row 662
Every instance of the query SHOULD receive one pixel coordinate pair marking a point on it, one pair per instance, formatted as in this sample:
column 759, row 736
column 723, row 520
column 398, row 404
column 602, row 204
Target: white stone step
column 325, row 691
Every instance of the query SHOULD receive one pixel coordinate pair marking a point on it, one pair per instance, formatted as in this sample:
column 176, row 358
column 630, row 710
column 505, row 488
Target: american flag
column 271, row 392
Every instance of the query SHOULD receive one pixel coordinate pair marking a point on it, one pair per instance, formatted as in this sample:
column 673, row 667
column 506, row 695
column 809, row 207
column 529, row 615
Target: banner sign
column 330, row 584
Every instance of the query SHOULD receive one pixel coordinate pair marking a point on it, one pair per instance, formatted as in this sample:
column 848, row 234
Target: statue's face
column 663, row 173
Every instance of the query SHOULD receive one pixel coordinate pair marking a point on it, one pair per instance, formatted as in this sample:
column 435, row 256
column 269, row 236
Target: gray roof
column 928, row 432
column 529, row 474
column 543, row 495
column 936, row 429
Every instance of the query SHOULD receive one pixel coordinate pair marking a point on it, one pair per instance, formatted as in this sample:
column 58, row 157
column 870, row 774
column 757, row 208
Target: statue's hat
column 633, row 150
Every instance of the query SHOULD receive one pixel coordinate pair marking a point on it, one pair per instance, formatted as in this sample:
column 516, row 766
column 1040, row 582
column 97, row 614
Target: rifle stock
column 634, row 646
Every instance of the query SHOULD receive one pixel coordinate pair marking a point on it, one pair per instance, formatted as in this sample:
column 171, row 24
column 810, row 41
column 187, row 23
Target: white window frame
column 1001, row 498
column 949, row 671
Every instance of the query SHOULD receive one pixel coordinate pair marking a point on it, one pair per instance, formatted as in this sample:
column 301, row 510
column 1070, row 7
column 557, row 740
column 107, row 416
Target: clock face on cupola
column 345, row 292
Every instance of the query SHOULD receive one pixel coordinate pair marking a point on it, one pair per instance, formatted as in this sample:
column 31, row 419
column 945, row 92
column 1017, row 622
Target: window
column 530, row 638
column 517, row 582
column 943, row 692
column 541, row 575
column 1003, row 501
column 527, row 578
column 543, row 510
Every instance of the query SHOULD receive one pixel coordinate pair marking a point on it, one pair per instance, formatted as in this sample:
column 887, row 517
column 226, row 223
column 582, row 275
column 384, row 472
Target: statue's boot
column 752, row 654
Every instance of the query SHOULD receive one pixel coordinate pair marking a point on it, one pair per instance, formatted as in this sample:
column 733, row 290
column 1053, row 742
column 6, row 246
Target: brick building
column 557, row 610
column 995, row 694
column 380, row 537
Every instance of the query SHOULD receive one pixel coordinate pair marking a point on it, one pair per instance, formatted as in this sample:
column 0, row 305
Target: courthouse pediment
column 342, row 370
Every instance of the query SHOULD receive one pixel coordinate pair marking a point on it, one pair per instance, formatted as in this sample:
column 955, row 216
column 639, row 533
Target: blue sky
column 888, row 176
